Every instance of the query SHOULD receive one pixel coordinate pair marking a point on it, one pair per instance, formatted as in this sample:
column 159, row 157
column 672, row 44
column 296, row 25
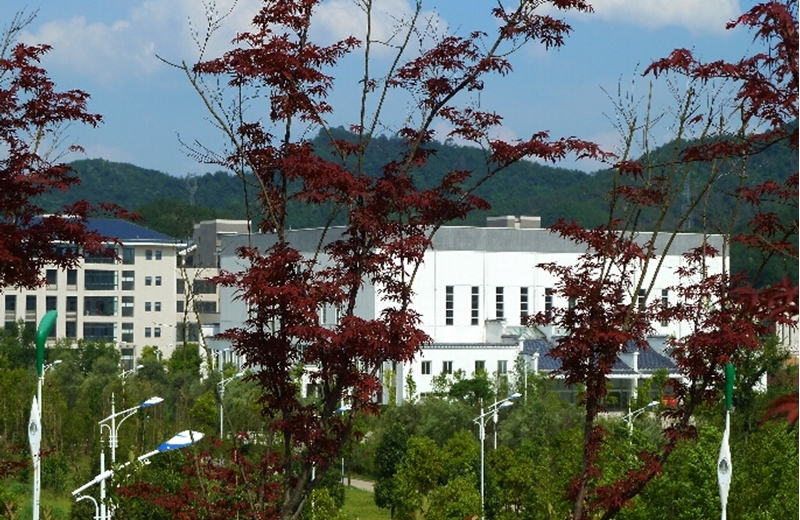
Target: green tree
column 388, row 455
column 420, row 473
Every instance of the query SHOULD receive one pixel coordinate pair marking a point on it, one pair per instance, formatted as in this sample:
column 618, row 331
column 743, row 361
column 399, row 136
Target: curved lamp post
column 481, row 422
column 35, row 424
column 631, row 415
column 181, row 440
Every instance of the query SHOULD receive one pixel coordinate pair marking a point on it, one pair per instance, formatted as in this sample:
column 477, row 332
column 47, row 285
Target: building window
column 98, row 331
column 72, row 304
column 158, row 280
column 158, row 254
column 127, row 306
column 157, row 332
column 94, row 280
column 180, row 286
column 148, row 332
column 426, row 368
column 128, row 280
column 72, row 277
column 641, row 300
column 548, row 302
column 498, row 303
column 128, row 255
column 72, row 329
column 50, row 303
column 572, row 302
column 30, row 303
column 523, row 301
column 148, row 306
column 447, row 367
column 52, row 277
column 180, row 304
column 127, row 332
column 148, row 280
column 204, row 287
column 664, row 305
column 11, row 302
column 148, row 254
column 205, row 307
column 100, row 306
column 157, row 306
column 109, row 256
column 480, row 366
column 475, row 304
column 448, row 305
column 502, row 367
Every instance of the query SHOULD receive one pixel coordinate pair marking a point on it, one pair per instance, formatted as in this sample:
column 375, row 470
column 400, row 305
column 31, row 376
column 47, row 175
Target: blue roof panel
column 126, row 231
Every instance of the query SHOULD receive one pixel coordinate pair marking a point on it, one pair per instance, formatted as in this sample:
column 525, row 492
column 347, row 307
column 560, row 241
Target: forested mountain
column 172, row 205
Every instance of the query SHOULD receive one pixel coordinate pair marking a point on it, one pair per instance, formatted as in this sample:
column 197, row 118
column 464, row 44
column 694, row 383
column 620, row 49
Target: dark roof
column 542, row 347
column 649, row 359
column 127, row 232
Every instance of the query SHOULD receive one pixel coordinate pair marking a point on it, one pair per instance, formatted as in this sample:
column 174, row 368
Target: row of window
column 96, row 331
column 100, row 280
column 524, row 301
column 128, row 255
column 480, row 366
column 92, row 305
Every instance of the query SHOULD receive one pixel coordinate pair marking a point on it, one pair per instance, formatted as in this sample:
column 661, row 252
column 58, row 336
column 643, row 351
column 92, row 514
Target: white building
column 473, row 288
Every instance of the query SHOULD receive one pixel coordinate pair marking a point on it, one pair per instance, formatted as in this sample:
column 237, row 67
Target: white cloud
column 695, row 15
column 115, row 51
column 339, row 19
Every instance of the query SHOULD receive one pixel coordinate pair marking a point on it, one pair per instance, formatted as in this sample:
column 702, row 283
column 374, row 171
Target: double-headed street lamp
column 481, row 422
column 631, row 415
column 221, row 385
column 111, row 424
column 181, row 440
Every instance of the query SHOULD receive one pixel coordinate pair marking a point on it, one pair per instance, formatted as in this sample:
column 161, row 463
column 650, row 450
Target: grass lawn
column 360, row 505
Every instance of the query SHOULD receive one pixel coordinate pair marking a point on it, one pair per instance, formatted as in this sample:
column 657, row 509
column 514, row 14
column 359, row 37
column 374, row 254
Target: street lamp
column 481, row 422
column 342, row 409
column 630, row 416
column 126, row 373
column 35, row 423
column 112, row 425
column 221, row 385
column 181, row 440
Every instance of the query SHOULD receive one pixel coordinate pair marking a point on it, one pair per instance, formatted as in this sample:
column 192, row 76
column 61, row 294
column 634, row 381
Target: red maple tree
column 31, row 114
column 388, row 220
column 726, row 314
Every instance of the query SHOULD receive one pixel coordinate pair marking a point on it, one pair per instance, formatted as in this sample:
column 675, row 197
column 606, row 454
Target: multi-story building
column 129, row 301
column 474, row 287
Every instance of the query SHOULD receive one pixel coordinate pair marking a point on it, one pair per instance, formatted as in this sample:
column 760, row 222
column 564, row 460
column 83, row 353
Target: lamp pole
column 630, row 416
column 481, row 422
column 181, row 440
column 221, row 385
column 724, row 464
column 35, row 424
column 111, row 424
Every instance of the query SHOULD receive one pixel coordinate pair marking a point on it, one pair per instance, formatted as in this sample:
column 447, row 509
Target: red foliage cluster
column 389, row 217
column 31, row 112
column 726, row 316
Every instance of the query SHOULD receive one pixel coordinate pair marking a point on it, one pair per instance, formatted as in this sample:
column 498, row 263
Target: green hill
column 172, row 205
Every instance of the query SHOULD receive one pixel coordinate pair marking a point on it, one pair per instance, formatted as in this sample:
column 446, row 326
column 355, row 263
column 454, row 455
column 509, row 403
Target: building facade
column 129, row 301
column 474, row 287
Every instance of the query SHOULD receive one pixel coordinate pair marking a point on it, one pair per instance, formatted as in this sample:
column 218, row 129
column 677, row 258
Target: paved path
column 366, row 485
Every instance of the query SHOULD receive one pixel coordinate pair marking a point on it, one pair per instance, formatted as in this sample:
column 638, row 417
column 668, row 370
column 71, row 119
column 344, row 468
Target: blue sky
column 109, row 49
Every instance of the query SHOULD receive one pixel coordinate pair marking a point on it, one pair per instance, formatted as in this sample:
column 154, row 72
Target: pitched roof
column 127, row 232
column 649, row 359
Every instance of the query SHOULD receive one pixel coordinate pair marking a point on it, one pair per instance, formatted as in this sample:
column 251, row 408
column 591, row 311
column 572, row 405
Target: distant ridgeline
column 525, row 188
